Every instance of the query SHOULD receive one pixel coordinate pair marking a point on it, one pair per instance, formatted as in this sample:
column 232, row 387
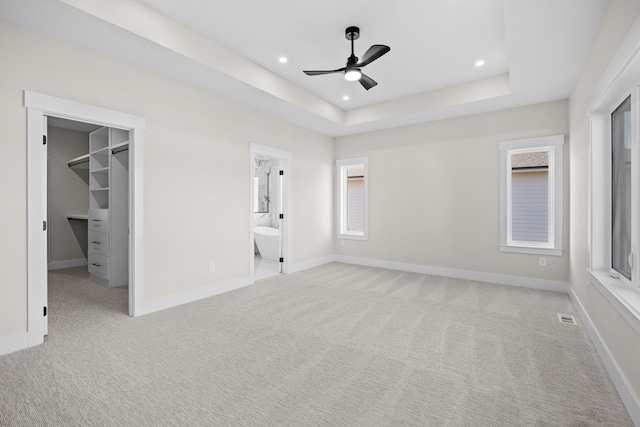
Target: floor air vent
column 566, row 318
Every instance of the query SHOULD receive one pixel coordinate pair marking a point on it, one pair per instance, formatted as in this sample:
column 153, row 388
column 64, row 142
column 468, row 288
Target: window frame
column 553, row 145
column 341, row 198
column 620, row 79
column 600, row 209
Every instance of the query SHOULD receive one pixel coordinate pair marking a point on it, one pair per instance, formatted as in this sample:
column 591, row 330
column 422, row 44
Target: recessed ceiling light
column 480, row 63
column 345, row 98
column 282, row 59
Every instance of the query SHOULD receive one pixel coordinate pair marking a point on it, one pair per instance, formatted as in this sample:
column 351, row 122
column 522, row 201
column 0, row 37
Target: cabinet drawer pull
column 96, row 243
column 96, row 264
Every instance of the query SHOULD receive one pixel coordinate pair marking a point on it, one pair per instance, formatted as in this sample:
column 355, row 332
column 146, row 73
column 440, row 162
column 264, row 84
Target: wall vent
column 567, row 318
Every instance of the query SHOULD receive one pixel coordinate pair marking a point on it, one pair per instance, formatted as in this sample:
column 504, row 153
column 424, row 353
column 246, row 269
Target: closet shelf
column 116, row 148
column 80, row 217
column 81, row 162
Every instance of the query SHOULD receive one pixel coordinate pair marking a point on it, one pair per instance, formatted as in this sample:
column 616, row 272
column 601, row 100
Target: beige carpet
column 338, row 345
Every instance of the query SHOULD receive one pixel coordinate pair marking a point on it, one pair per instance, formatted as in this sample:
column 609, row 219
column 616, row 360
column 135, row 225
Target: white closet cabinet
column 108, row 252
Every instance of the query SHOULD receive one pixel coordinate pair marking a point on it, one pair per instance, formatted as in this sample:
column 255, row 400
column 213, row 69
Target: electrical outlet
column 542, row 262
column 212, row 265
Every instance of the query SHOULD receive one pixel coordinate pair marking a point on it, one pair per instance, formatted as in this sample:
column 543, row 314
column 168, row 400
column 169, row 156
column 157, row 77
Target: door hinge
column 44, row 312
column 281, row 172
column 281, row 259
column 44, row 139
column 44, row 225
column 281, row 216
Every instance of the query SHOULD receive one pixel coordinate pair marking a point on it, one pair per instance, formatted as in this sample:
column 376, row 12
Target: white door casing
column 38, row 107
column 285, row 158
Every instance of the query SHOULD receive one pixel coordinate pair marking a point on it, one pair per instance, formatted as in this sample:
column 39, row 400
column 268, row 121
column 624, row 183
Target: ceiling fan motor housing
column 352, row 33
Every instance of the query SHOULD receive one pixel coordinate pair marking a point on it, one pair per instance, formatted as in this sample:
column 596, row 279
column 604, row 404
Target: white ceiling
column 533, row 51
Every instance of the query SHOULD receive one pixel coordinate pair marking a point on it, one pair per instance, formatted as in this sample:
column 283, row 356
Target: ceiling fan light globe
column 352, row 75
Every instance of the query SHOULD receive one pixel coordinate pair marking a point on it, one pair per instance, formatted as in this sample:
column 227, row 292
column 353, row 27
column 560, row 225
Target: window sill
column 624, row 298
column 531, row 250
column 353, row 236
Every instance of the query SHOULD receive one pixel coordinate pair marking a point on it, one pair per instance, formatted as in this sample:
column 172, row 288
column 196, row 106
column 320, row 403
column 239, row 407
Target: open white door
column 281, row 214
column 45, row 176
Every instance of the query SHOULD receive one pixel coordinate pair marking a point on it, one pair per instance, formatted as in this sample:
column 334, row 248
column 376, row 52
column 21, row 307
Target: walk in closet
column 106, row 168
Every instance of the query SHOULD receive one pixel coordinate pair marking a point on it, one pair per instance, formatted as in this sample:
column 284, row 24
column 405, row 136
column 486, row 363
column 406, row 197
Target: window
column 621, row 189
column 352, row 198
column 531, row 195
column 614, row 197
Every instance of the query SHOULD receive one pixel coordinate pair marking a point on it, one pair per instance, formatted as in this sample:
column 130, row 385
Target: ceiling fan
column 352, row 71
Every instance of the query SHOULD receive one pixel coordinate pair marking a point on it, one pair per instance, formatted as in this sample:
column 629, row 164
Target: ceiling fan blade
column 374, row 52
column 367, row 82
column 319, row 73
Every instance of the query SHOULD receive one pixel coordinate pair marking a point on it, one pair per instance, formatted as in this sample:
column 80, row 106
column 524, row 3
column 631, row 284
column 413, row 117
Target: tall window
column 352, row 198
column 614, row 182
column 614, row 227
column 621, row 189
column 531, row 195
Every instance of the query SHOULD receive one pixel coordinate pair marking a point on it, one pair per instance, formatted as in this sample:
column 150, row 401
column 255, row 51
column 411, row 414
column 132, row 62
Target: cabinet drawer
column 99, row 242
column 99, row 220
column 99, row 265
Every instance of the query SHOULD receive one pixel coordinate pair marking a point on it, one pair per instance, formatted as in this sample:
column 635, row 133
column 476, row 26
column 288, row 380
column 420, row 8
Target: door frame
column 39, row 106
column 285, row 157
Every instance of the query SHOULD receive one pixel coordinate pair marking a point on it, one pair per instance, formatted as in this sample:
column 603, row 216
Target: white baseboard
column 629, row 398
column 57, row 265
column 174, row 300
column 502, row 279
column 317, row 262
column 14, row 343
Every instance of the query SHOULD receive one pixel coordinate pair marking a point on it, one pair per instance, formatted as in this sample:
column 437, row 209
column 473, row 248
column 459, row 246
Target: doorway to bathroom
column 270, row 201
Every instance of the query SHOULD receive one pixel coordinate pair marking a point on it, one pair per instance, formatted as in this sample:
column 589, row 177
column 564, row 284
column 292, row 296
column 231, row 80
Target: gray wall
column 434, row 192
column 68, row 194
column 195, row 173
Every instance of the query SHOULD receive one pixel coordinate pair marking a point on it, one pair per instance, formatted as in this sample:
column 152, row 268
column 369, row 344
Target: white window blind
column 530, row 206
column 355, row 204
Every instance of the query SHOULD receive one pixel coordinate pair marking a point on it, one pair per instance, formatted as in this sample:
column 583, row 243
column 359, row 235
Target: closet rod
column 119, row 149
column 79, row 161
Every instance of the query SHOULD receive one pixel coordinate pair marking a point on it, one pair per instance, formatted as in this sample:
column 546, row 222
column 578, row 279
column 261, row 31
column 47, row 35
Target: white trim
column 193, row 295
column 352, row 236
column 72, row 110
column 553, row 144
column 501, row 279
column 313, row 263
column 36, row 237
column 136, row 220
column 624, row 299
column 629, row 398
column 39, row 106
column 14, row 343
column 286, row 158
column 57, row 265
column 531, row 250
column 341, row 198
